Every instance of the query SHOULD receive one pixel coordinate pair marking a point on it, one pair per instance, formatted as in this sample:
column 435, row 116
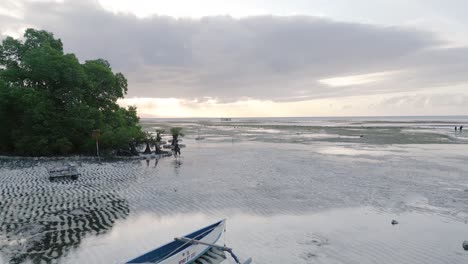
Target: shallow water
column 286, row 201
column 376, row 131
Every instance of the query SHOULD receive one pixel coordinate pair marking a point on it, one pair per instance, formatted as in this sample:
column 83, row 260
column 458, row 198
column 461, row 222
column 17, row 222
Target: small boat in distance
column 188, row 249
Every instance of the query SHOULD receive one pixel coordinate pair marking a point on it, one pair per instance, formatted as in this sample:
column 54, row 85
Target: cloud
column 355, row 79
column 428, row 101
column 268, row 58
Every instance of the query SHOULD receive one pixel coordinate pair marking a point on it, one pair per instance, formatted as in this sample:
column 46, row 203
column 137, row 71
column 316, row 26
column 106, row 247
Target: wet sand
column 320, row 202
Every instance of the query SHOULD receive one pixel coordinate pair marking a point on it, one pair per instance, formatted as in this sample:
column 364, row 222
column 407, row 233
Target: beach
column 292, row 190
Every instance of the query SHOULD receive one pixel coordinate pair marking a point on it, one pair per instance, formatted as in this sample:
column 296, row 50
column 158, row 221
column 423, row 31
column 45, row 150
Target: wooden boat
column 180, row 251
column 66, row 171
column 192, row 248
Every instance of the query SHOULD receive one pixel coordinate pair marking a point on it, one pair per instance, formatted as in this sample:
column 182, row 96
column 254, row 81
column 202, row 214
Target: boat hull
column 178, row 252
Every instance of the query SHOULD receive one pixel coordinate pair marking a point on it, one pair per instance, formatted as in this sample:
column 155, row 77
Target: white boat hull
column 193, row 252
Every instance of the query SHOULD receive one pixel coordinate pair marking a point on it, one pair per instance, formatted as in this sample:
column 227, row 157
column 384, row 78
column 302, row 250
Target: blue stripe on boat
column 169, row 249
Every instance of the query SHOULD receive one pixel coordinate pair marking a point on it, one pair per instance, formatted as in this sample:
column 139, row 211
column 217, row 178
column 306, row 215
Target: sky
column 259, row 58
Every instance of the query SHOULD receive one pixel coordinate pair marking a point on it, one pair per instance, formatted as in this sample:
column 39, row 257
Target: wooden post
column 96, row 134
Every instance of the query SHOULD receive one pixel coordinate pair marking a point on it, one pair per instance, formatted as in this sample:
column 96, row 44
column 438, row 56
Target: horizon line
column 424, row 116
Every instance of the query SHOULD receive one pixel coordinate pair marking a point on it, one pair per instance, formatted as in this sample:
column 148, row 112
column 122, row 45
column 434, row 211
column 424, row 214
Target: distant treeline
column 50, row 103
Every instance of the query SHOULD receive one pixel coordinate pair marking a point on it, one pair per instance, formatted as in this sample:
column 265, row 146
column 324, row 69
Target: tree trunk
column 158, row 148
column 133, row 149
column 148, row 148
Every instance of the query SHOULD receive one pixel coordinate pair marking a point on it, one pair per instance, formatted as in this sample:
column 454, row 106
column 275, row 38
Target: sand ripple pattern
column 40, row 221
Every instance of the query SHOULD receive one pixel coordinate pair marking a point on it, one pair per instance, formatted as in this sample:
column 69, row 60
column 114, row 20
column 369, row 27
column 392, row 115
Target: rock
column 394, row 222
column 465, row 245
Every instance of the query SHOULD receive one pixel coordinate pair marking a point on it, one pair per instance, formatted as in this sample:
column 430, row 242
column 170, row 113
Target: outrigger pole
column 223, row 248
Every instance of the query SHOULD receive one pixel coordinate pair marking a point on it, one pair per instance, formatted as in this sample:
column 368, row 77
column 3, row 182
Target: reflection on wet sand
column 177, row 163
column 149, row 161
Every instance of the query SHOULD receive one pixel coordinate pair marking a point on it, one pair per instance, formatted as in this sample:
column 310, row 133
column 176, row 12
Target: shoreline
column 86, row 158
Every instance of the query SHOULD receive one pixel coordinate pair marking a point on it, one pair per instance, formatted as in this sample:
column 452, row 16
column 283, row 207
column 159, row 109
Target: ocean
column 293, row 190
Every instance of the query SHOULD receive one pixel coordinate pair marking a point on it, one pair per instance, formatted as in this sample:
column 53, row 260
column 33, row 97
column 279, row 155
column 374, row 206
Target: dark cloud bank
column 264, row 57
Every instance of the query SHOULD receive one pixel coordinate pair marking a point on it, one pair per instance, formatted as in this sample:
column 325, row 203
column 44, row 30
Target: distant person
column 456, row 128
column 461, row 128
column 176, row 149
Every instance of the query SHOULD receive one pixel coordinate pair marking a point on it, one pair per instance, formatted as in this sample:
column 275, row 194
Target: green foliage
column 50, row 103
column 159, row 132
column 177, row 132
